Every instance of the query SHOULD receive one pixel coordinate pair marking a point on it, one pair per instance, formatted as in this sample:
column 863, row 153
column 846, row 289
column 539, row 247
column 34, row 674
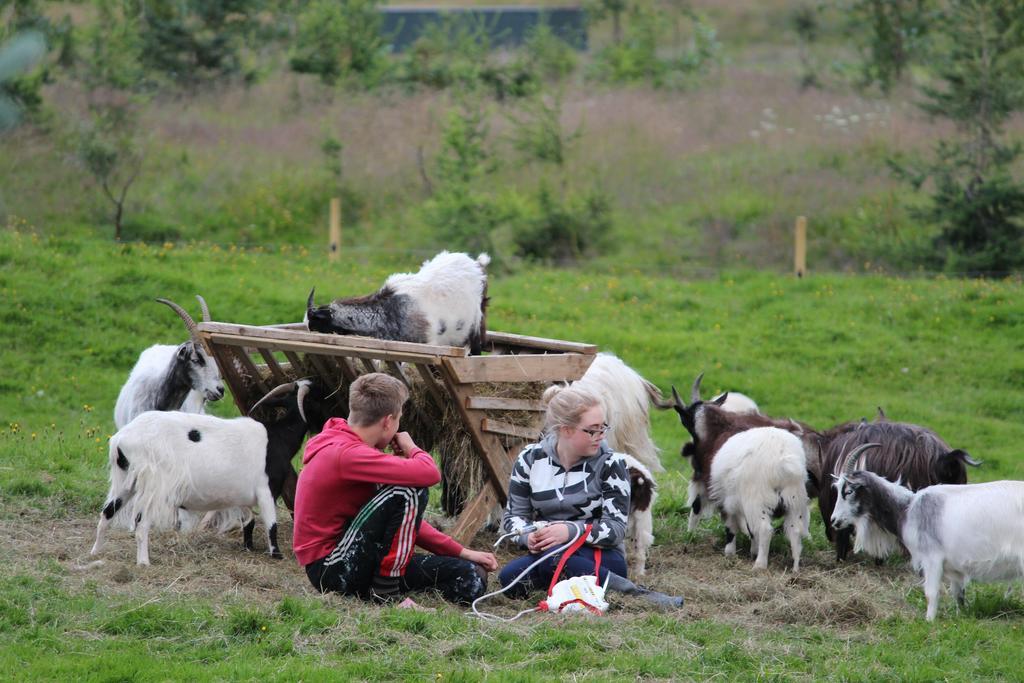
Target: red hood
column 333, row 428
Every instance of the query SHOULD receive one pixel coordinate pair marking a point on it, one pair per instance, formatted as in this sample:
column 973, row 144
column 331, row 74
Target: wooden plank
column 239, row 391
column 254, row 332
column 324, row 349
column 487, row 445
column 298, row 367
column 395, row 370
column 474, row 515
column 500, row 403
column 347, row 372
column 435, row 391
column 287, row 326
column 519, row 368
column 499, row 427
column 368, row 365
column 250, row 368
column 275, row 369
column 321, row 366
column 539, row 343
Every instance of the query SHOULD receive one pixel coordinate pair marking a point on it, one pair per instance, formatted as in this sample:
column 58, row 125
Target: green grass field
column 704, row 185
column 75, row 312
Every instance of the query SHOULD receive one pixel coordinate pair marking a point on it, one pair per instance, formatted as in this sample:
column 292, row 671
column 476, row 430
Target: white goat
column 627, row 397
column 162, row 462
column 957, row 532
column 168, row 377
column 444, row 303
column 753, row 474
column 738, row 403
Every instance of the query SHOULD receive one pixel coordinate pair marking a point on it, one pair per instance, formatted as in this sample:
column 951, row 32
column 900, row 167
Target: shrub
column 339, row 40
column 639, row 56
column 565, row 230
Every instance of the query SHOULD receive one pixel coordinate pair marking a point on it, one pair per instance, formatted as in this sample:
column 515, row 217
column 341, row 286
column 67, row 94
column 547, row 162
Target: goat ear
column 721, row 399
column 963, row 456
column 184, row 352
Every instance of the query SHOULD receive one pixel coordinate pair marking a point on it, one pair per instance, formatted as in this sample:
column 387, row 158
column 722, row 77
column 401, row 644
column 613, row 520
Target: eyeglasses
column 593, row 433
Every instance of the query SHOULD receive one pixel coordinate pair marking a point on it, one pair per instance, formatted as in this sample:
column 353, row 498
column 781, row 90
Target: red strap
column 597, row 564
column 577, row 544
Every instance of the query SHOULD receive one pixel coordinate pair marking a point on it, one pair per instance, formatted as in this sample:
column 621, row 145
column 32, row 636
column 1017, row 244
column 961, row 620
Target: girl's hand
column 549, row 537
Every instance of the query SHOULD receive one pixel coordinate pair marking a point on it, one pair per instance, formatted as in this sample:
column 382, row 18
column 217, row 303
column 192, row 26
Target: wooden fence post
column 334, row 245
column 800, row 247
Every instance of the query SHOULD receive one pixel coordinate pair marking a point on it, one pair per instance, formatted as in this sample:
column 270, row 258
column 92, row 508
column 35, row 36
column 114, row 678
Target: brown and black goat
column 909, row 454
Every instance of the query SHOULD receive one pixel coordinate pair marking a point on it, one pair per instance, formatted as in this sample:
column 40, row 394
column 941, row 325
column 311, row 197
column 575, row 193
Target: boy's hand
column 486, row 560
column 403, row 445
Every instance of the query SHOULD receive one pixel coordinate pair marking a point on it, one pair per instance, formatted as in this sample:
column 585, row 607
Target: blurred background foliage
column 690, row 133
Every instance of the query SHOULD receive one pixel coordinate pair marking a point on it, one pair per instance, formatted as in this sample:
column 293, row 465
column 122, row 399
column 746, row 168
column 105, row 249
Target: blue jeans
column 580, row 563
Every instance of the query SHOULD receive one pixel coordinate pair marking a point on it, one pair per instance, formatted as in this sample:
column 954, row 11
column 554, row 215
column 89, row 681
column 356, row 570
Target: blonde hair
column 565, row 404
column 373, row 396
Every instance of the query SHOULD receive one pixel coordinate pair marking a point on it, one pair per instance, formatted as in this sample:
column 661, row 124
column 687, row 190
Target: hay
column 445, row 433
column 213, row 568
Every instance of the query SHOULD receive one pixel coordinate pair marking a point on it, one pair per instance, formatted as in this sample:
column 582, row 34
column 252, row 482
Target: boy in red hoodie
column 359, row 511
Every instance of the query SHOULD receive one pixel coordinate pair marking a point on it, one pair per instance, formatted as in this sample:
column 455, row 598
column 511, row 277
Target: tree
column 106, row 139
column 891, row 34
column 977, row 56
column 194, row 41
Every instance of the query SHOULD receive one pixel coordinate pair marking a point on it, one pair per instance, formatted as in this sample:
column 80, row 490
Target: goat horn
column 695, row 392
column 678, row 401
column 190, row 324
column 276, row 391
column 309, row 301
column 205, row 308
column 303, row 385
column 851, row 460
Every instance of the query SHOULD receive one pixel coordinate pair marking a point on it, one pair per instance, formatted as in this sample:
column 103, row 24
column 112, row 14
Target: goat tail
column 484, row 259
column 122, row 482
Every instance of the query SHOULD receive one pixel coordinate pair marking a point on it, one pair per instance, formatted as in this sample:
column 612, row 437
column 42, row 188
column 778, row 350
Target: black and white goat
column 444, row 303
column 911, row 454
column 168, row 377
column 757, row 475
column 960, row 533
column 643, row 492
column 162, row 462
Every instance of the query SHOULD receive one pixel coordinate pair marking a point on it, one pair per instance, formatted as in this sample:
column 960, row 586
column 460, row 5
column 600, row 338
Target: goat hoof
column 276, row 554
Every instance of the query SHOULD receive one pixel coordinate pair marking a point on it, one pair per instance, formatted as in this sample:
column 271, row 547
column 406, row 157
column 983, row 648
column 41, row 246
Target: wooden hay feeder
column 495, row 397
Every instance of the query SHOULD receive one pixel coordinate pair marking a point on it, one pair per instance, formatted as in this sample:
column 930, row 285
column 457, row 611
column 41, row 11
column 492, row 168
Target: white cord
column 494, row 617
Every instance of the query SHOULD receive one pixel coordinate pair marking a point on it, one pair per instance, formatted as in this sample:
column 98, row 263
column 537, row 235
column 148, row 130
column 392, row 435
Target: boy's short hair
column 374, row 395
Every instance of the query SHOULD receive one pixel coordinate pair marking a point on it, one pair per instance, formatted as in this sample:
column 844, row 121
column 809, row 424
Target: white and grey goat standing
column 162, row 462
column 443, row 303
column 169, row 377
column 958, row 533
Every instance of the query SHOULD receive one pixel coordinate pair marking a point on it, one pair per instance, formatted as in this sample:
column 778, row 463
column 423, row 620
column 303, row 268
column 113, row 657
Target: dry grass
column 207, row 566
